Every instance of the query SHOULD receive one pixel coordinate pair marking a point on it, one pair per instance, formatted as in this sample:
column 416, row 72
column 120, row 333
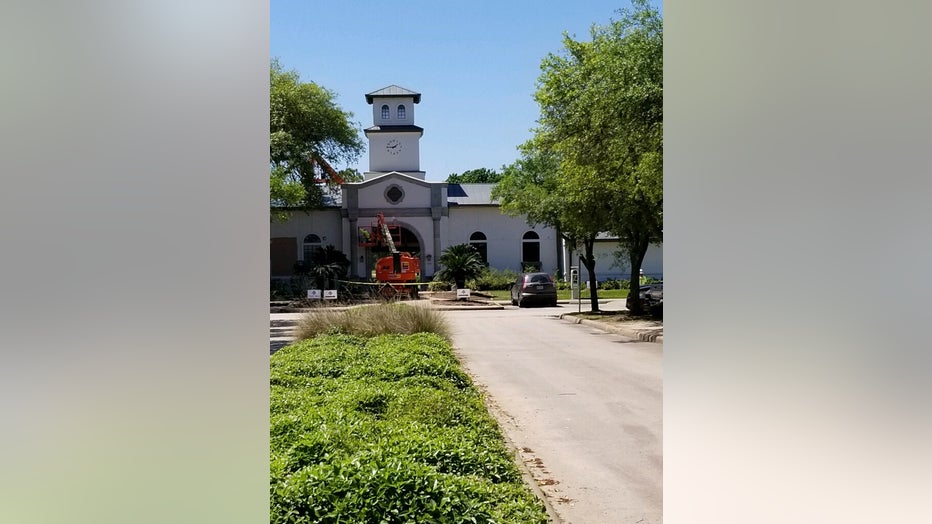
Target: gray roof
column 393, row 91
column 470, row 194
column 394, row 129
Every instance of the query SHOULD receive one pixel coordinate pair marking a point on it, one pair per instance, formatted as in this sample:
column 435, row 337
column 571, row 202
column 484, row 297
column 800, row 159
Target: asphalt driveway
column 583, row 407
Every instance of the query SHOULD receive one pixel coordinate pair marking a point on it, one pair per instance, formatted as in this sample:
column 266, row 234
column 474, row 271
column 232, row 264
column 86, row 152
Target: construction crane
column 400, row 270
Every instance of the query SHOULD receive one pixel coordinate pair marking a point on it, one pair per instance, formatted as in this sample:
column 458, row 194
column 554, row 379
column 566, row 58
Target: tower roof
column 393, row 91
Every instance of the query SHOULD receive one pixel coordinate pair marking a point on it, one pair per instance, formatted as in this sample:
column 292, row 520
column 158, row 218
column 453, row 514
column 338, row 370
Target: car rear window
column 539, row 279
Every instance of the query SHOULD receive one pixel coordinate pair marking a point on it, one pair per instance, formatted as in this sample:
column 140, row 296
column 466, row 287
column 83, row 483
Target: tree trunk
column 636, row 252
column 589, row 261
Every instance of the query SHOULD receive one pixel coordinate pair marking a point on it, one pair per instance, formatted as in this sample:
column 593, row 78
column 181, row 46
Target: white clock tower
column 394, row 139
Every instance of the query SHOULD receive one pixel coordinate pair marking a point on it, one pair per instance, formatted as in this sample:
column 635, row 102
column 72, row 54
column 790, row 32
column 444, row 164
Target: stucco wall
column 408, row 159
column 503, row 233
column 326, row 224
column 504, row 236
column 373, row 196
column 392, row 103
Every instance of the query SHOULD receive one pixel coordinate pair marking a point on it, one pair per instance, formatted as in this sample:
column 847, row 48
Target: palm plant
column 460, row 263
column 325, row 276
column 327, row 266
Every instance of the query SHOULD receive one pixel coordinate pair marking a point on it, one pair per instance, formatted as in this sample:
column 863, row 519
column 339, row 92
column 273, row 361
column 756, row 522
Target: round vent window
column 394, row 194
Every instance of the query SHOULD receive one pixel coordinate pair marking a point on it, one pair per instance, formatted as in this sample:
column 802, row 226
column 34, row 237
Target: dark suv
column 651, row 296
column 534, row 287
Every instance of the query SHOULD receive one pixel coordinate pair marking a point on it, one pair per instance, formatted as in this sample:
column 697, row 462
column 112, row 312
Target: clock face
column 393, row 146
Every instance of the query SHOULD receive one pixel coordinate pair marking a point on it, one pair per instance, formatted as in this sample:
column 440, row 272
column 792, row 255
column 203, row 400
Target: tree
column 460, row 263
column 308, row 131
column 475, row 176
column 602, row 114
column 538, row 186
column 351, row 175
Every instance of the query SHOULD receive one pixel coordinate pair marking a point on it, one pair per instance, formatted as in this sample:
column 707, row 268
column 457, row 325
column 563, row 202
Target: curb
column 626, row 332
column 466, row 308
column 505, row 423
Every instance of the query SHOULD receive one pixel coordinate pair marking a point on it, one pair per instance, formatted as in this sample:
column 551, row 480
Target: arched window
column 478, row 241
column 312, row 244
column 386, row 112
column 401, row 112
column 530, row 251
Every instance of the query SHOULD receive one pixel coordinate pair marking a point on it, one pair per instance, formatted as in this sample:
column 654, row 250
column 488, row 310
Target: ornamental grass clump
column 374, row 320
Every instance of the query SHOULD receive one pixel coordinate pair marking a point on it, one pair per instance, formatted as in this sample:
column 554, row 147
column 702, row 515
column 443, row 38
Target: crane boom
column 331, row 172
column 387, row 235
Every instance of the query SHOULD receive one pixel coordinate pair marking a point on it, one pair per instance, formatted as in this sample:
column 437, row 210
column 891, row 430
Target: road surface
column 584, row 408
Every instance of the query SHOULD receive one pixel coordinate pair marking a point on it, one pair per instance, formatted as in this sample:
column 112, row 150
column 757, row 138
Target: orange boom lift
column 400, row 270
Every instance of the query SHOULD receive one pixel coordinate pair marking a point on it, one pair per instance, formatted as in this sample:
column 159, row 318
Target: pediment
column 392, row 177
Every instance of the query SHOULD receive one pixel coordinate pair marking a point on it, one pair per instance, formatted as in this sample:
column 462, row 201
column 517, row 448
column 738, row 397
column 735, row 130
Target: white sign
column 462, row 293
column 313, row 293
column 330, row 294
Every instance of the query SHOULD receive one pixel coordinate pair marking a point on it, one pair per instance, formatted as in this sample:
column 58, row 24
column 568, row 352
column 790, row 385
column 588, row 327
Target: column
column 436, row 222
column 353, row 247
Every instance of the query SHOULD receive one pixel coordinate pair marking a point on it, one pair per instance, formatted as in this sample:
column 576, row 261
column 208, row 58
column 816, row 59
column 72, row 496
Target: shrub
column 386, row 429
column 493, row 279
column 438, row 285
column 614, row 283
column 373, row 320
column 279, row 290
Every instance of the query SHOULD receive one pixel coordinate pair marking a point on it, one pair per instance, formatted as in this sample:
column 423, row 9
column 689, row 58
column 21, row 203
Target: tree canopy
column 595, row 163
column 475, row 176
column 308, row 132
column 537, row 186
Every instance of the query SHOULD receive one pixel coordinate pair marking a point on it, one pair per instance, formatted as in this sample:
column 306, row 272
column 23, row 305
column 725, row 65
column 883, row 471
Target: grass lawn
column 564, row 294
column 388, row 429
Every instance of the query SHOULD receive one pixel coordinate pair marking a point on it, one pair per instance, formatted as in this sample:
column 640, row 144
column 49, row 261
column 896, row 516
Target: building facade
column 430, row 216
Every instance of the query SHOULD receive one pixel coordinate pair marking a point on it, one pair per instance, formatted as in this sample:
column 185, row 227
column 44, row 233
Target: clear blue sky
column 475, row 63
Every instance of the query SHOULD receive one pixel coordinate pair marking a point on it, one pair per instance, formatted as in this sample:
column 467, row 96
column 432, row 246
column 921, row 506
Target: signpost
column 330, row 294
column 462, row 294
column 313, row 294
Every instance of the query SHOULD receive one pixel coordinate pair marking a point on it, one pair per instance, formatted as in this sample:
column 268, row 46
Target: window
column 311, row 245
column 394, row 194
column 530, row 251
column 401, row 112
column 478, row 241
column 386, row 112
